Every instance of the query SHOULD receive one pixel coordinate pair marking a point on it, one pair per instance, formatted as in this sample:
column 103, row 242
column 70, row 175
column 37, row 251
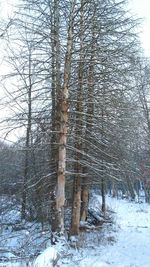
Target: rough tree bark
column 62, row 108
column 76, row 205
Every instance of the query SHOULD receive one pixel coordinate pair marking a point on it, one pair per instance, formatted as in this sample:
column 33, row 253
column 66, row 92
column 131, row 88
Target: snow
column 123, row 243
column 47, row 258
column 126, row 244
column 132, row 246
column 19, row 241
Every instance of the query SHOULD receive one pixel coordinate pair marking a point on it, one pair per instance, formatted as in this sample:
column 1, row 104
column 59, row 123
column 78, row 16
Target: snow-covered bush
column 47, row 258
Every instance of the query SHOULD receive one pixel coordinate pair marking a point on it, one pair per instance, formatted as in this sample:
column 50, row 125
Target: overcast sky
column 139, row 7
column 142, row 9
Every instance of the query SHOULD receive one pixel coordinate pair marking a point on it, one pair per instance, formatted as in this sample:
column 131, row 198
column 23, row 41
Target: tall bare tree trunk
column 62, row 108
column 76, row 205
column 89, row 121
column 56, row 87
column 27, row 144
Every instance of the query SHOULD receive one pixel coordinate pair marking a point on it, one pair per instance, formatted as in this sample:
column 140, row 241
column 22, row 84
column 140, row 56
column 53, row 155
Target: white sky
column 142, row 9
column 139, row 7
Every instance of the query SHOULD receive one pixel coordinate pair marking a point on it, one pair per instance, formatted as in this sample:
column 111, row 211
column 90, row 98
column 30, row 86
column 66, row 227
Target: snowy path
column 132, row 240
column 132, row 247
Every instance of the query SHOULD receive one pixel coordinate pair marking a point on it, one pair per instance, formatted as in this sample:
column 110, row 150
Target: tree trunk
column 55, row 116
column 75, row 222
column 103, row 195
column 62, row 108
column 89, row 121
column 84, row 201
column 27, row 144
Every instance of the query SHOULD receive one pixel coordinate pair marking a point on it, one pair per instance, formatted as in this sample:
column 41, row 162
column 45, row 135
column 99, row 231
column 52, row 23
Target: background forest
column 77, row 95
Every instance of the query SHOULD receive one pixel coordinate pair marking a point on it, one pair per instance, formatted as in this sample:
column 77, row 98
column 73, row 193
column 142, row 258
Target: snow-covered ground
column 132, row 247
column 18, row 239
column 132, row 238
column 125, row 243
